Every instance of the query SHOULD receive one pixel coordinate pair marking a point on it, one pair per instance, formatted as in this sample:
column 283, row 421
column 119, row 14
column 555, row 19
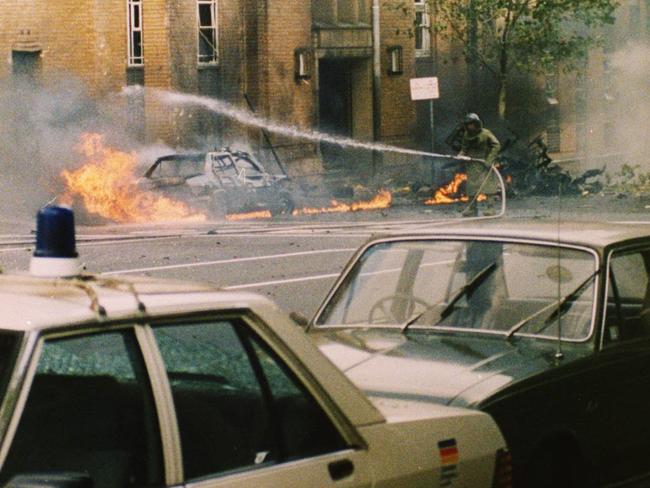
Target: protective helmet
column 472, row 118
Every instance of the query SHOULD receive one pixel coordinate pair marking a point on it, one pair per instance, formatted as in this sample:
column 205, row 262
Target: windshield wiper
column 464, row 290
column 561, row 307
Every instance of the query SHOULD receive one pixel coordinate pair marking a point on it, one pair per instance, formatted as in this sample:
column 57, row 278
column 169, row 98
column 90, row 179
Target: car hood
column 461, row 370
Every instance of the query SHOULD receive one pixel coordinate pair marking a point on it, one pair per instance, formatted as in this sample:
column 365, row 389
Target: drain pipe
column 376, row 82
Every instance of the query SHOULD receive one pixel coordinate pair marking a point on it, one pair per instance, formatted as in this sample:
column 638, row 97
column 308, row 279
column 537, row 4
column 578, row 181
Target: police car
column 140, row 382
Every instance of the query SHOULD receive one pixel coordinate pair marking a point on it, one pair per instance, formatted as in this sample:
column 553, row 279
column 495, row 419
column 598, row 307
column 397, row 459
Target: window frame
column 26, row 367
column 31, row 347
column 422, row 29
column 14, row 398
column 134, row 61
column 259, row 328
column 626, row 249
column 214, row 26
column 350, row 267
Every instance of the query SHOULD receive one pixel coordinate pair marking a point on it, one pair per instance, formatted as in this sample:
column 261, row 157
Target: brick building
column 307, row 63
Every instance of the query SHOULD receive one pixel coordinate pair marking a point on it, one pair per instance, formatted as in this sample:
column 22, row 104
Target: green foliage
column 629, row 180
column 535, row 36
column 530, row 35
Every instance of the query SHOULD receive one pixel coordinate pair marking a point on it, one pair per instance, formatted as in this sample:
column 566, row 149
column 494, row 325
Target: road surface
column 294, row 261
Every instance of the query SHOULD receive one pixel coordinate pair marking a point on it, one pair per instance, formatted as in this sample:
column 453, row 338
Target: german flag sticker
column 448, row 461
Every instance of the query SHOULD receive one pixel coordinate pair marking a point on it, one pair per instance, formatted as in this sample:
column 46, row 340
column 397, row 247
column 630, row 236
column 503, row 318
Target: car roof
column 596, row 235
column 30, row 303
column 182, row 157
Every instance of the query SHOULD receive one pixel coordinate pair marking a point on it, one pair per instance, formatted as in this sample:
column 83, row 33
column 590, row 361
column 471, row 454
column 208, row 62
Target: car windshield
column 499, row 287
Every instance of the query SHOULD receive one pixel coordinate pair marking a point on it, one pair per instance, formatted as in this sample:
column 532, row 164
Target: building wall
column 86, row 40
column 157, row 68
column 82, row 38
column 398, row 110
column 288, row 101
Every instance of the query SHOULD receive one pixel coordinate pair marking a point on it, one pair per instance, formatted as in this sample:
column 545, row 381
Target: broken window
column 135, row 55
column 422, row 28
column 208, row 45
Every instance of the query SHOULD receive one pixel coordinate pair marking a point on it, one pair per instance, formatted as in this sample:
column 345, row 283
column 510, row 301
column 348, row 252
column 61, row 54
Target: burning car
column 222, row 181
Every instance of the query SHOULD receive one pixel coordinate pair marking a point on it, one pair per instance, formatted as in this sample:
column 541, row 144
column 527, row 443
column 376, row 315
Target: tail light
column 503, row 470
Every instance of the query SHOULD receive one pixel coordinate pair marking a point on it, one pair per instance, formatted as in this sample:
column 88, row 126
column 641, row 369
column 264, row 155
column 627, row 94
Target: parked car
column 223, row 181
column 140, row 382
column 546, row 327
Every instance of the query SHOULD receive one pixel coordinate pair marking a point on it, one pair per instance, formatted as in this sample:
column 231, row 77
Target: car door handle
column 340, row 469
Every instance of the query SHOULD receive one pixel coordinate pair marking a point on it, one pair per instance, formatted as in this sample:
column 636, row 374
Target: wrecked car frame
column 222, row 181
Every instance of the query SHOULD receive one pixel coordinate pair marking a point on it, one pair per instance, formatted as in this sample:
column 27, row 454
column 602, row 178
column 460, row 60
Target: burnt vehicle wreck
column 221, row 181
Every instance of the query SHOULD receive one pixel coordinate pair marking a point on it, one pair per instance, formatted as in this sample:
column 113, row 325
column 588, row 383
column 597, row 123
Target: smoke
column 39, row 129
column 630, row 104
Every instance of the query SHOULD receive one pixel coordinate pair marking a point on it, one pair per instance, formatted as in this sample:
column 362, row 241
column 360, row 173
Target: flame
column 260, row 214
column 106, row 184
column 449, row 192
column 382, row 200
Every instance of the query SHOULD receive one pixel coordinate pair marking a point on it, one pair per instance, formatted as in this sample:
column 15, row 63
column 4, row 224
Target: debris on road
column 529, row 170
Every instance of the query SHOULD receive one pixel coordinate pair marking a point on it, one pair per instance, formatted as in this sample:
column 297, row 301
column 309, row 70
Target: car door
column 88, row 408
column 244, row 418
column 625, row 357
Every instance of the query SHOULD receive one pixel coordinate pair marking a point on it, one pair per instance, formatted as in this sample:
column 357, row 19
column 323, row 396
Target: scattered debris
column 529, row 170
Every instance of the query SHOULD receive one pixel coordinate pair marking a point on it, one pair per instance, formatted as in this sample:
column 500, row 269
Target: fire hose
column 502, row 185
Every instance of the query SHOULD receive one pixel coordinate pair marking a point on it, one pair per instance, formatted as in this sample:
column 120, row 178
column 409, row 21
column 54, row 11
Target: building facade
column 309, row 64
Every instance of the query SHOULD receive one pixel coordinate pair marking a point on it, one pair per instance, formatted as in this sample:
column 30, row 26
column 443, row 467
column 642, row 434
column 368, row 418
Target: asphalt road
column 294, row 261
column 292, row 264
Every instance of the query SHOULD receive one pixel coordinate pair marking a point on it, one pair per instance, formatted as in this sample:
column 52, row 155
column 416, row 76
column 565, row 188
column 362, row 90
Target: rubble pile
column 529, row 170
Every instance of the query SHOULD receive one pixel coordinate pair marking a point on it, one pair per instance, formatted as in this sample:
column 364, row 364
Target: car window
column 237, row 405
column 222, row 163
column 247, row 166
column 90, row 409
column 627, row 316
column 184, row 168
column 486, row 285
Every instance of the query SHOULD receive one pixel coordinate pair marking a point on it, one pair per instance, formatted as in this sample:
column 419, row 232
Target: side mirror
column 299, row 319
column 51, row 480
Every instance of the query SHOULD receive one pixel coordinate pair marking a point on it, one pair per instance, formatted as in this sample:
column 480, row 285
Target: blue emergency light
column 55, row 254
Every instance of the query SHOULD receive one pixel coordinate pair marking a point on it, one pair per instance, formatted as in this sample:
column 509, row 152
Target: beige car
column 138, row 382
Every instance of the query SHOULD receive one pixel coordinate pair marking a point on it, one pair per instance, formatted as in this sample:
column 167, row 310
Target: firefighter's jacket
column 485, row 146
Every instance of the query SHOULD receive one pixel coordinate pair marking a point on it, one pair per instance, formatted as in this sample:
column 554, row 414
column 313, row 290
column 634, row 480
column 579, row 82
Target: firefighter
column 478, row 142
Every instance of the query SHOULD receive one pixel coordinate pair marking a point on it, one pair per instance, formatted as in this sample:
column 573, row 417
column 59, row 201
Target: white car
column 141, row 382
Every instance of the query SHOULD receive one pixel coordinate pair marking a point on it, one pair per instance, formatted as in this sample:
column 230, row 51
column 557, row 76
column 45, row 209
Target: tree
column 534, row 36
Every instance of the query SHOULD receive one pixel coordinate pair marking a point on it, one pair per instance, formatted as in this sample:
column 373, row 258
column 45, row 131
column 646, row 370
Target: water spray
column 247, row 118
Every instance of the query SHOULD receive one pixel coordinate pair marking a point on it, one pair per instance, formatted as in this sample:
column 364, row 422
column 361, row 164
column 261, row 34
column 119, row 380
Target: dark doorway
column 335, row 106
column 26, row 66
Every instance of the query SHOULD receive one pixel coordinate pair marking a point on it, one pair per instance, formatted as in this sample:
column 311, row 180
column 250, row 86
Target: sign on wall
column 425, row 88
